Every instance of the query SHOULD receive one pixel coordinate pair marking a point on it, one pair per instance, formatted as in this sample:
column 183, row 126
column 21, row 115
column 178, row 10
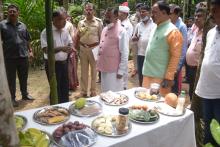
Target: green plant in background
column 76, row 12
column 215, row 130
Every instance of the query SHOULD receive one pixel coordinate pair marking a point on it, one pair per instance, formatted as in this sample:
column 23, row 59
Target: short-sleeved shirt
column 15, row 39
column 209, row 81
column 143, row 31
column 194, row 50
column 61, row 38
column 90, row 31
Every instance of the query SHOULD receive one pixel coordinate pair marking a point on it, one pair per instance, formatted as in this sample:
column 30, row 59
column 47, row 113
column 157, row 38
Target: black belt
column 89, row 45
column 62, row 62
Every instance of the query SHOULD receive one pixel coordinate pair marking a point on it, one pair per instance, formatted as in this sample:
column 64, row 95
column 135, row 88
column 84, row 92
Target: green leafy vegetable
column 215, row 130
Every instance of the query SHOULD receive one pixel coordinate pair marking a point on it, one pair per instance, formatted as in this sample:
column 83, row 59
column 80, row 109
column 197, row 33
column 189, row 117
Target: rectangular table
column 167, row 132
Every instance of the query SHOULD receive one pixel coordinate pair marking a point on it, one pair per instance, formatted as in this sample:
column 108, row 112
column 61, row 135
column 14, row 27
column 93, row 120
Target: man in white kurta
column 125, row 22
column 113, row 53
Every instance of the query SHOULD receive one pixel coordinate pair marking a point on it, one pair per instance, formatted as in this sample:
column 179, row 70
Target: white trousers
column 110, row 82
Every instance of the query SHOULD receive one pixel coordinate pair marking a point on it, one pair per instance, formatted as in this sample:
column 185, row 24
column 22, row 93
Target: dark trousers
column 61, row 69
column 175, row 88
column 20, row 66
column 210, row 110
column 187, row 71
column 191, row 79
column 140, row 62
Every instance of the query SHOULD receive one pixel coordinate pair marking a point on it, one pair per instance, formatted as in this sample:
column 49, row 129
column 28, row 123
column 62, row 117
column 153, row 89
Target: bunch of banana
column 33, row 138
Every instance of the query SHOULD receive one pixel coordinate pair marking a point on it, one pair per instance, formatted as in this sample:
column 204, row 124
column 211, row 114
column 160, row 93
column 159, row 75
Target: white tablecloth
column 167, row 132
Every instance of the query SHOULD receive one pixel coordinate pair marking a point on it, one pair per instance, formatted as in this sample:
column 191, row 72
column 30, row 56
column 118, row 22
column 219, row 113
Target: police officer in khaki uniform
column 89, row 33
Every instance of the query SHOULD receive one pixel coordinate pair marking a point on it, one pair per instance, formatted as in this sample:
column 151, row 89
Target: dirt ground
column 38, row 87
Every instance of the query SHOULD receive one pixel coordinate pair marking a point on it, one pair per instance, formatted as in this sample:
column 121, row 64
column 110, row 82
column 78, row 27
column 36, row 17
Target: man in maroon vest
column 113, row 52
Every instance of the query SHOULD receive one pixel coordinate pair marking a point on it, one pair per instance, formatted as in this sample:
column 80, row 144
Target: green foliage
column 208, row 145
column 215, row 130
column 76, row 12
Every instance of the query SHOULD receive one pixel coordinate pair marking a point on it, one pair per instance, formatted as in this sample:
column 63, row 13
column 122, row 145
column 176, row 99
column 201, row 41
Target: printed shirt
column 15, row 39
column 194, row 50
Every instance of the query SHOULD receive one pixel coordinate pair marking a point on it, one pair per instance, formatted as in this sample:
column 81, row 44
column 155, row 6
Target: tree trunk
column 66, row 4
column 196, row 100
column 51, row 57
column 8, row 135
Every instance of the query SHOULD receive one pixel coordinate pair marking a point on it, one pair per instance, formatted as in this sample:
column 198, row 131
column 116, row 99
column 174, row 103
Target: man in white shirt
column 141, row 35
column 113, row 53
column 125, row 22
column 135, row 19
column 62, row 46
column 208, row 87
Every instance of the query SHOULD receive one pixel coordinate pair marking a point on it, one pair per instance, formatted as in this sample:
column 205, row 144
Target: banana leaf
column 215, row 130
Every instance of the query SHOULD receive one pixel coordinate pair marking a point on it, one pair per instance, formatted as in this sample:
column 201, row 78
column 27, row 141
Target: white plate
column 165, row 109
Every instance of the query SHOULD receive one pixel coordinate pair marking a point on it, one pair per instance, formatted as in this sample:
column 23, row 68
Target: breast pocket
column 22, row 34
column 93, row 30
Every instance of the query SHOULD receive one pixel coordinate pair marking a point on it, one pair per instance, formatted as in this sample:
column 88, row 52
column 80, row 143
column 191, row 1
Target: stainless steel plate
column 89, row 144
column 37, row 119
column 114, row 133
column 91, row 108
column 167, row 113
column 145, row 122
column 24, row 122
column 113, row 103
column 144, row 90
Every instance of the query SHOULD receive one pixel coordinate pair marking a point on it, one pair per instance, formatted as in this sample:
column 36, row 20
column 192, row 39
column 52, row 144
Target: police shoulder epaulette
column 98, row 19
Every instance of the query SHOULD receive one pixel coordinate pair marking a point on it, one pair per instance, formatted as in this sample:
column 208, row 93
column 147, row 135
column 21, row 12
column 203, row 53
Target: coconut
column 171, row 99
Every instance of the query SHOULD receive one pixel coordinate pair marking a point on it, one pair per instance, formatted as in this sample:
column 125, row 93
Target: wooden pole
column 51, row 57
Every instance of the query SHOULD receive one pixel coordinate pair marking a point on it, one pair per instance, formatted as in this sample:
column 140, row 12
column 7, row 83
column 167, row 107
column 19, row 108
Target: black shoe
column 27, row 97
column 15, row 103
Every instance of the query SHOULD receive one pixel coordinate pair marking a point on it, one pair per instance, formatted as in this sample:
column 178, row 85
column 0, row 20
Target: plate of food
column 141, row 114
column 20, row 122
column 114, row 99
column 34, row 137
column 144, row 94
column 51, row 115
column 74, row 134
column 106, row 126
column 85, row 108
column 168, row 110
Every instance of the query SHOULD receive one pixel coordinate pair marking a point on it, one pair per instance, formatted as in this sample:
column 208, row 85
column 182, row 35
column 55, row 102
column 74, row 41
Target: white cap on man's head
column 124, row 7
